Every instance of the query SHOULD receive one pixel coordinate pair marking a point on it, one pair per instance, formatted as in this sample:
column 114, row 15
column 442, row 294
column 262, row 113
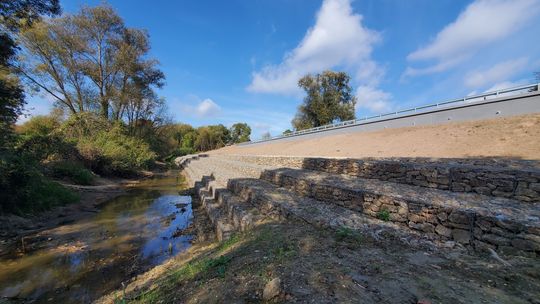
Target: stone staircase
column 474, row 204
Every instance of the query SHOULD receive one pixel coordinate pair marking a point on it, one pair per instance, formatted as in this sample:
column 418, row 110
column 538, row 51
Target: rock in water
column 272, row 289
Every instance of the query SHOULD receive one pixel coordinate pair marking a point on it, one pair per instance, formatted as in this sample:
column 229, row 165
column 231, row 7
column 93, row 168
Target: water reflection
column 81, row 261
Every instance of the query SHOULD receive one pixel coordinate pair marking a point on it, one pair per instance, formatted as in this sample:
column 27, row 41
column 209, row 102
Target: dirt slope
column 515, row 137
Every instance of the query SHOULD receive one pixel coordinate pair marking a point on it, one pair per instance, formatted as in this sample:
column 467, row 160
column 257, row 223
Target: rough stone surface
column 331, row 200
column 272, row 289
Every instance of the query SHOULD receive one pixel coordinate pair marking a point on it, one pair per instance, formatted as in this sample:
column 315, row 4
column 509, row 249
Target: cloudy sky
column 240, row 60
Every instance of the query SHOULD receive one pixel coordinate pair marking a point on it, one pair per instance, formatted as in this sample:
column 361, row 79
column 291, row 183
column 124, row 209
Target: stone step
column 247, row 201
column 470, row 219
column 226, row 212
column 279, row 203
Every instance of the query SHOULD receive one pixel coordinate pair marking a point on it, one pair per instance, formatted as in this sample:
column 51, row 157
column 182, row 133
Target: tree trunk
column 105, row 110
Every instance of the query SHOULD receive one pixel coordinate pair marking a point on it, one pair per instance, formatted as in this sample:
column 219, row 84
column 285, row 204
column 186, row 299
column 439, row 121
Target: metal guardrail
column 401, row 113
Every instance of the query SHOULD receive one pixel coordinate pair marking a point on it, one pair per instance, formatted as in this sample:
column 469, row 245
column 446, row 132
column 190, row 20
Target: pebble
column 272, row 289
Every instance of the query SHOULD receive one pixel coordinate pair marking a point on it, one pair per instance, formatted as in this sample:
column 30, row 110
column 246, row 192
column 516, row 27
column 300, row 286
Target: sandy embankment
column 515, row 137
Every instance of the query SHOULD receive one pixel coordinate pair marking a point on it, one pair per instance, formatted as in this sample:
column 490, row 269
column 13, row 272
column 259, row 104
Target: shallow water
column 79, row 262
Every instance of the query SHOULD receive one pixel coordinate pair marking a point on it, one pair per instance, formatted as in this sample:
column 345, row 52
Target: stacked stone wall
column 508, row 182
column 511, row 231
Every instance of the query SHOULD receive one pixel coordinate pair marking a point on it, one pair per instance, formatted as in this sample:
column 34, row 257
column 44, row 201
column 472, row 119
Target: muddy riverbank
column 79, row 252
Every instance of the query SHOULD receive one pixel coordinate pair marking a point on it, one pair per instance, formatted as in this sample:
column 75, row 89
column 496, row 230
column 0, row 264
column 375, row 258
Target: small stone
column 495, row 239
column 526, row 245
column 441, row 230
column 482, row 190
column 442, row 216
column 272, row 289
column 459, row 217
column 416, row 218
column 461, row 236
column 425, row 227
column 535, row 187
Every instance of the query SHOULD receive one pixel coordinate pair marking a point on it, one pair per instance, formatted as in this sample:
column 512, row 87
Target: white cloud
column 338, row 38
column 482, row 23
column 207, row 108
column 203, row 108
column 497, row 73
column 375, row 100
column 505, row 85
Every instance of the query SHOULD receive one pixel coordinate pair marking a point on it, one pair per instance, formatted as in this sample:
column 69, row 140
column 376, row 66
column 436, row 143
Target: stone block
column 526, row 245
column 416, row 218
column 425, row 227
column 459, row 217
column 496, row 239
column 444, row 231
column 461, row 236
column 442, row 216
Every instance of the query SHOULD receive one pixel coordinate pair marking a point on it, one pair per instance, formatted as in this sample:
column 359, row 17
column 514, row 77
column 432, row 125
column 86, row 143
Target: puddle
column 79, row 262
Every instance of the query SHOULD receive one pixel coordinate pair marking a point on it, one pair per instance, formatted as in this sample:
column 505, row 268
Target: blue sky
column 239, row 60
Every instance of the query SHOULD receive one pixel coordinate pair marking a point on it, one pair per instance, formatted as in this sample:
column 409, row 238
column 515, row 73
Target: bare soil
column 318, row 266
column 515, row 137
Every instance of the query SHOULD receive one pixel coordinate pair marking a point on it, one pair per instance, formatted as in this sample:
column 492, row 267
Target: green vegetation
column 108, row 119
column 329, row 98
column 383, row 215
column 287, row 132
column 240, row 133
column 73, row 171
column 349, row 236
column 249, row 254
column 24, row 188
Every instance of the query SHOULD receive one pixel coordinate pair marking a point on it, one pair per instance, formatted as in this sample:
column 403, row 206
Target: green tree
column 240, row 132
column 212, row 137
column 329, row 98
column 91, row 61
column 287, row 132
column 13, row 15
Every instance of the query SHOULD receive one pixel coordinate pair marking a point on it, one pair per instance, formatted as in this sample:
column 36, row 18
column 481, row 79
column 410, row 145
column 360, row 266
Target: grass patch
column 349, row 236
column 72, row 171
column 205, row 268
column 235, row 238
column 383, row 215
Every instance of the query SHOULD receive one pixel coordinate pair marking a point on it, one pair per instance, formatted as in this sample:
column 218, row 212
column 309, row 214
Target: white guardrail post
column 472, row 98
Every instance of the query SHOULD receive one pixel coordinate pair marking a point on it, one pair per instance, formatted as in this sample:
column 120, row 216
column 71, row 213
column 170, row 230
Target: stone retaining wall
column 513, row 233
column 519, row 184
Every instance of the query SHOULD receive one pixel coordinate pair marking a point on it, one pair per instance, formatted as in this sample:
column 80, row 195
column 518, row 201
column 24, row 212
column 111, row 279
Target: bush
column 114, row 152
column 46, row 147
column 24, row 189
column 73, row 171
column 179, row 152
column 39, row 125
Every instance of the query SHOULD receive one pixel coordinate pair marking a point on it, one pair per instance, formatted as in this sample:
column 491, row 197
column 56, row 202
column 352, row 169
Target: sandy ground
column 515, row 137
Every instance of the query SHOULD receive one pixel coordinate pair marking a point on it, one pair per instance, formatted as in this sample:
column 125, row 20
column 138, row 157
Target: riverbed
column 80, row 261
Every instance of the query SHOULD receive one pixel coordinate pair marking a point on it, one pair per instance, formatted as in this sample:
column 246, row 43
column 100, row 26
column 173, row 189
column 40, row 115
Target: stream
column 81, row 261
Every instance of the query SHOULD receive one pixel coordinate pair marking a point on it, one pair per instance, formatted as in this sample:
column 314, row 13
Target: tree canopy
column 91, row 61
column 329, row 98
column 13, row 15
column 240, row 133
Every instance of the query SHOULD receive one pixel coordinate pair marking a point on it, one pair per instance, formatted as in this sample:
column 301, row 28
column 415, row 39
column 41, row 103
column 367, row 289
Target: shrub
column 24, row 189
column 384, row 215
column 42, row 147
column 84, row 124
column 114, row 152
column 179, row 152
column 39, row 125
column 73, row 171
